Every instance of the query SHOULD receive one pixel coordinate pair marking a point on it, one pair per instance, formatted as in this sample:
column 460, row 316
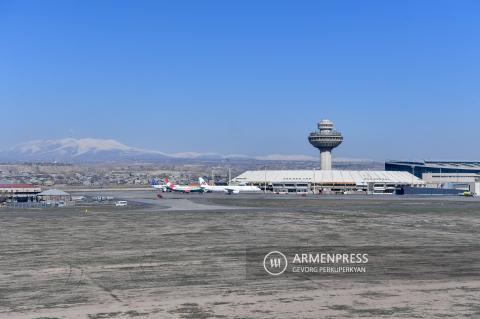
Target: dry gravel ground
column 183, row 257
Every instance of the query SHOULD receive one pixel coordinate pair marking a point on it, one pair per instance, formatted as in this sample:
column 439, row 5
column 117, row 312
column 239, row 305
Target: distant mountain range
column 77, row 150
column 99, row 150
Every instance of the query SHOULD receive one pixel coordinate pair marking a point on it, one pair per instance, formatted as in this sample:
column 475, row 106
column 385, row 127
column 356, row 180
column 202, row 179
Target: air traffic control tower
column 325, row 139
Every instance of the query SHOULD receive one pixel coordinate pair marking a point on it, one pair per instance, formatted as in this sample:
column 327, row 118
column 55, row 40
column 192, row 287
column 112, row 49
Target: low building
column 18, row 192
column 464, row 181
column 443, row 178
column 323, row 181
column 54, row 196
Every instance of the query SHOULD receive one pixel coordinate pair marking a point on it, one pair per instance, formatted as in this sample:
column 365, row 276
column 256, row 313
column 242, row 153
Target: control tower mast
column 325, row 139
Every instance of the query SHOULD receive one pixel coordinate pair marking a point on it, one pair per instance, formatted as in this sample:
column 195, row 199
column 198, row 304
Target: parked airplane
column 183, row 188
column 229, row 189
column 154, row 183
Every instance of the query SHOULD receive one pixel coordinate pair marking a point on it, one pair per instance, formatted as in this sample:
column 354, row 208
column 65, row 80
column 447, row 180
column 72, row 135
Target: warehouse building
column 18, row 192
column 328, row 181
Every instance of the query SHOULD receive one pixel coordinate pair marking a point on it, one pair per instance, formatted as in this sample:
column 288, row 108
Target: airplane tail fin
column 153, row 182
column 202, row 182
column 168, row 183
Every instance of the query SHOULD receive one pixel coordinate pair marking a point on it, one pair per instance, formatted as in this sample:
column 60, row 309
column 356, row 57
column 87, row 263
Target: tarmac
column 183, row 256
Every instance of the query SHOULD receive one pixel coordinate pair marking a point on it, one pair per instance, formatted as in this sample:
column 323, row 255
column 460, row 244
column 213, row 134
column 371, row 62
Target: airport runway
column 183, row 256
column 170, row 201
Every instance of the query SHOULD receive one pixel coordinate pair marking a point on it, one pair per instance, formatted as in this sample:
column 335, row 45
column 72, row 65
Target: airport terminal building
column 442, row 174
column 439, row 172
column 328, row 181
column 439, row 167
column 399, row 176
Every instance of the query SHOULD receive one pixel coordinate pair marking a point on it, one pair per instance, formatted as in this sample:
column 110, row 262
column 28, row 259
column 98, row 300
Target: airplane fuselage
column 185, row 189
column 230, row 189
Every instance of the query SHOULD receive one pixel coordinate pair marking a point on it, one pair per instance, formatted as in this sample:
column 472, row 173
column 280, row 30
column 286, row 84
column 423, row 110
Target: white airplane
column 229, row 189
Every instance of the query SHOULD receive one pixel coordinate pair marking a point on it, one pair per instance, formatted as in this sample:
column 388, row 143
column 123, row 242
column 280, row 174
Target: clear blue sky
column 401, row 79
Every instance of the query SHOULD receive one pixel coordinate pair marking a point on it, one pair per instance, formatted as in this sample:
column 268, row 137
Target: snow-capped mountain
column 98, row 150
column 77, row 150
column 71, row 146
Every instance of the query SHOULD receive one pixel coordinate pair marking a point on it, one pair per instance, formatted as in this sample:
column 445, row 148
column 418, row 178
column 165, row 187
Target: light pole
column 229, row 175
column 314, row 182
column 265, row 180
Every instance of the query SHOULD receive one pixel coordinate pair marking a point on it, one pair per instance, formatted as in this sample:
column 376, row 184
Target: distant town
column 68, row 175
